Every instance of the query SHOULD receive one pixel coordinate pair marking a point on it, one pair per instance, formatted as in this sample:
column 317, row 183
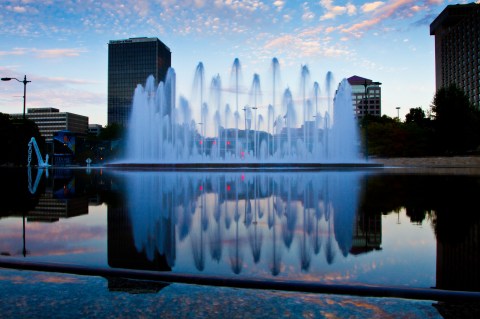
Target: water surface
column 380, row 227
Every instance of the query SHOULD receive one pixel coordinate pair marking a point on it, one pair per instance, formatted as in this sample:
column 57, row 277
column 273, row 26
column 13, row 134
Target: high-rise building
column 366, row 96
column 130, row 62
column 457, row 47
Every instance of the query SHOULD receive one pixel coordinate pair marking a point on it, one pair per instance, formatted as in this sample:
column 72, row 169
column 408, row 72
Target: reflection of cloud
column 51, row 239
column 41, row 278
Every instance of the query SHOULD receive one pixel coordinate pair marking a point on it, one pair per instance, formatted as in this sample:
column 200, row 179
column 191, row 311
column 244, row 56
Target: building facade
column 94, row 129
column 130, row 62
column 366, row 96
column 50, row 121
column 457, row 47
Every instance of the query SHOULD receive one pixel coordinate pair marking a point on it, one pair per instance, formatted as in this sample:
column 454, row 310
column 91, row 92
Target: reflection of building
column 51, row 209
column 135, row 286
column 458, row 260
column 457, row 43
column 122, row 252
column 369, row 104
column 130, row 62
column 59, row 200
column 367, row 235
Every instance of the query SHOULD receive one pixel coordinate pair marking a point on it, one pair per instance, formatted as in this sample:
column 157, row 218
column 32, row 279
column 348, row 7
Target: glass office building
column 130, row 62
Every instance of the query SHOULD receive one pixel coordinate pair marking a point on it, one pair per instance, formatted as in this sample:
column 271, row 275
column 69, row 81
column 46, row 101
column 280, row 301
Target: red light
column 228, row 142
column 201, row 188
column 214, row 142
column 243, row 177
column 201, row 142
column 228, row 188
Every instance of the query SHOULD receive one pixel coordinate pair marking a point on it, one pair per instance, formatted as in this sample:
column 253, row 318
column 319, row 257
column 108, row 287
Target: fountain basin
column 246, row 166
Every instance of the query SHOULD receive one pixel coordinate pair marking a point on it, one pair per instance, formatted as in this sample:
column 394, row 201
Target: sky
column 62, row 47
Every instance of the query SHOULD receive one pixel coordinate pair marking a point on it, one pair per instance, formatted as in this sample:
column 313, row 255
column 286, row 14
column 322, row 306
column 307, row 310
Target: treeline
column 452, row 127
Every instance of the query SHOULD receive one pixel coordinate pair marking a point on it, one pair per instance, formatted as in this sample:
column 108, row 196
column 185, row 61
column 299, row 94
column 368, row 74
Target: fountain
column 163, row 135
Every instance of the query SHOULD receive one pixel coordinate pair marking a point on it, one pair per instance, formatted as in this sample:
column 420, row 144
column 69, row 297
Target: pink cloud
column 372, row 6
column 57, row 53
column 396, row 7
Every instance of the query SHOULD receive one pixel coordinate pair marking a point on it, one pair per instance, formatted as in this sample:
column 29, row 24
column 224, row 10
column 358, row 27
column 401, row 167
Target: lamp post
column 24, row 90
column 366, row 85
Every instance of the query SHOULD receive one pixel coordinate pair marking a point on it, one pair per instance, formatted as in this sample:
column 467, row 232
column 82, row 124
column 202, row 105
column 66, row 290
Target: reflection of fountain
column 172, row 212
column 160, row 133
column 33, row 188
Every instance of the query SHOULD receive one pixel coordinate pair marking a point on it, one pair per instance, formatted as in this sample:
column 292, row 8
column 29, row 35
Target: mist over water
column 278, row 127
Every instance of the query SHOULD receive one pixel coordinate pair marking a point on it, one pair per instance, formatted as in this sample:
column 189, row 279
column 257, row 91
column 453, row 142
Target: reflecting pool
column 374, row 227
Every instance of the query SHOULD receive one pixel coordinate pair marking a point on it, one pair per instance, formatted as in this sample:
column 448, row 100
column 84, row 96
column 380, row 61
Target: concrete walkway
column 454, row 161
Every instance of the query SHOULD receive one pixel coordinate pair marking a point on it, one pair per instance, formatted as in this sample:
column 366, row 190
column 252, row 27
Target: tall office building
column 457, row 47
column 130, row 62
column 366, row 96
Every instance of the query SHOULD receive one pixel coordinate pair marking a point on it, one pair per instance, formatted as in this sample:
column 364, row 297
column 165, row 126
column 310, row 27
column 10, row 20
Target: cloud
column 279, row 4
column 332, row 10
column 45, row 53
column 57, row 53
column 372, row 6
column 399, row 8
column 15, row 51
column 307, row 13
column 306, row 45
column 16, row 9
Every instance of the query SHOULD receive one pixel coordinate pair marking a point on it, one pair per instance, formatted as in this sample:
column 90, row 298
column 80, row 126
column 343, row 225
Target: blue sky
column 62, row 46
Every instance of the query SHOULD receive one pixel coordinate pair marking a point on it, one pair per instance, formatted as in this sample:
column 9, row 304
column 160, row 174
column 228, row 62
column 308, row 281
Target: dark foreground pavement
column 31, row 294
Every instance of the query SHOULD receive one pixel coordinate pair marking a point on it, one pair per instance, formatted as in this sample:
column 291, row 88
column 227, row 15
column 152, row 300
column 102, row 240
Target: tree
column 112, row 132
column 14, row 137
column 456, row 122
column 416, row 115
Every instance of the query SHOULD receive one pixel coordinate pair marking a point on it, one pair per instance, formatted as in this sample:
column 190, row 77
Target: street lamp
column 24, row 90
column 366, row 85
